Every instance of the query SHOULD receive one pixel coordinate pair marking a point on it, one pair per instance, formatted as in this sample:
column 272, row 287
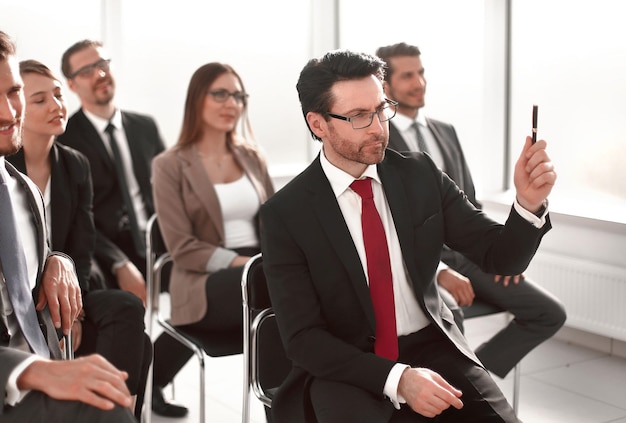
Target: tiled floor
column 560, row 383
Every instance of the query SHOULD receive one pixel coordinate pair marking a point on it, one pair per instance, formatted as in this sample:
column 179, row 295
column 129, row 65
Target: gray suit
column 538, row 314
column 36, row 406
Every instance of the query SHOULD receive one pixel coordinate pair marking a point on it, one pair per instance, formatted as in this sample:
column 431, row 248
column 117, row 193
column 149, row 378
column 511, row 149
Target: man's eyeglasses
column 363, row 120
column 221, row 96
column 87, row 70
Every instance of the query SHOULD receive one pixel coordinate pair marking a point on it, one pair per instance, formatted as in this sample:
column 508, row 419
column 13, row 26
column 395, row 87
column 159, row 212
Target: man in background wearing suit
column 34, row 384
column 120, row 146
column 538, row 314
column 351, row 247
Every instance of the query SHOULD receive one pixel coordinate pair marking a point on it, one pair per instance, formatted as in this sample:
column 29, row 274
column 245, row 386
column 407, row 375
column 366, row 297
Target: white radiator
column 594, row 294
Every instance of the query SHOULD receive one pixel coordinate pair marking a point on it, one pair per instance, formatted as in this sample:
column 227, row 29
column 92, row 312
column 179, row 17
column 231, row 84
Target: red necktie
column 378, row 272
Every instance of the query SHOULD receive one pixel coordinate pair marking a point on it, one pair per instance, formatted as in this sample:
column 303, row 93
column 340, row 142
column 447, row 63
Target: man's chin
column 10, row 149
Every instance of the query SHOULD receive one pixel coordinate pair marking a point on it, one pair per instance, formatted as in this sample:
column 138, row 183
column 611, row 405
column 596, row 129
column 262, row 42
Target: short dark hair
column 66, row 68
column 7, row 46
column 319, row 75
column 396, row 50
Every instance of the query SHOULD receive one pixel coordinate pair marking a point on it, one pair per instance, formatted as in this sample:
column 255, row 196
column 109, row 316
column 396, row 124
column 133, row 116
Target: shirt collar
column 403, row 122
column 101, row 124
column 340, row 180
column 3, row 169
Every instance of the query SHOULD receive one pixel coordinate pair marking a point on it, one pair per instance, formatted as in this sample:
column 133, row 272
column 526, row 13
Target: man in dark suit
column 396, row 356
column 122, row 201
column 34, row 387
column 538, row 313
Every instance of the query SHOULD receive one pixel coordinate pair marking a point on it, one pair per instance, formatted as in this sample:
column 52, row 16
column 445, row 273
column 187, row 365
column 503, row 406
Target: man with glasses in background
column 120, row 146
column 350, row 250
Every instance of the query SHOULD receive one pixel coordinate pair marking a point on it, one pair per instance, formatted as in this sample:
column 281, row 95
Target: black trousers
column 39, row 408
column 114, row 328
column 336, row 402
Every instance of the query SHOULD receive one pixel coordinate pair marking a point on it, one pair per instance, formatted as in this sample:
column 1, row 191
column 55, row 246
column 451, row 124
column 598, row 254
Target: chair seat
column 216, row 343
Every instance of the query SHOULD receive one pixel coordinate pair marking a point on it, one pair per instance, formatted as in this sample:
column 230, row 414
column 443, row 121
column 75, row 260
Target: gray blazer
column 10, row 357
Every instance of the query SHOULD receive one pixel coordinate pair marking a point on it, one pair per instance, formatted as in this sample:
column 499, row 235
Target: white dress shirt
column 409, row 316
column 131, row 181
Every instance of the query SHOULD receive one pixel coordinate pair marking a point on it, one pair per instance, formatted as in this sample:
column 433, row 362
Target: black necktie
column 421, row 142
column 15, row 275
column 138, row 240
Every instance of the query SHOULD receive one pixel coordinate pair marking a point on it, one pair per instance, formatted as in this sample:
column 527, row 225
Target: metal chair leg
column 516, row 387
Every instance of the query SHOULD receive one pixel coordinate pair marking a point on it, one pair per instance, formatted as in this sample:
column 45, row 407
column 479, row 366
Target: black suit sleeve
column 80, row 241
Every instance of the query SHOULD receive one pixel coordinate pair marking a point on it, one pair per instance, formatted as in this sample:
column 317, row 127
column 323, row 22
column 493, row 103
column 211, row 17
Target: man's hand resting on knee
column 92, row 380
column 427, row 393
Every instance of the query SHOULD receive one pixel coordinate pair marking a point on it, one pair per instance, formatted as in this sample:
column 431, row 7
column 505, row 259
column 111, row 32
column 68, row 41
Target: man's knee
column 335, row 402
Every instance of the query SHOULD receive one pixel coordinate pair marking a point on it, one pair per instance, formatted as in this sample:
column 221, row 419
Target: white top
column 240, row 203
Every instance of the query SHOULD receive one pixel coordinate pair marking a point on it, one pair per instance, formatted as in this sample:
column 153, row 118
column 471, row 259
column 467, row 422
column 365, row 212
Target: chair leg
column 516, row 387
column 200, row 355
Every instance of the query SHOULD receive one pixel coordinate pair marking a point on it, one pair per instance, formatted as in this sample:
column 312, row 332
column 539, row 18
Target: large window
column 156, row 45
column 570, row 59
column 567, row 57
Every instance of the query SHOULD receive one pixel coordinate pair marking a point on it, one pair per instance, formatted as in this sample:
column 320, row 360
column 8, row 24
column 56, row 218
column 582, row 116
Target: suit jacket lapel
column 396, row 198
column 141, row 165
column 37, row 213
column 203, row 187
column 331, row 220
column 396, row 140
column 449, row 164
column 59, row 183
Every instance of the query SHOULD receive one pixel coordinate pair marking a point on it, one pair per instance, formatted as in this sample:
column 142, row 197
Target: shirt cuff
column 391, row 385
column 220, row 259
column 536, row 220
column 442, row 266
column 13, row 393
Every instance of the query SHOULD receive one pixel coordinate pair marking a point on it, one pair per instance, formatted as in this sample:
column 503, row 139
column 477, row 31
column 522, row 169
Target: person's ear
column 318, row 124
column 71, row 85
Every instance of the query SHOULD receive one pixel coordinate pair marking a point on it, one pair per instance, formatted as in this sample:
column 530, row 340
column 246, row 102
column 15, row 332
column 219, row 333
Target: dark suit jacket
column 72, row 228
column 318, row 287
column 455, row 165
column 145, row 143
column 10, row 357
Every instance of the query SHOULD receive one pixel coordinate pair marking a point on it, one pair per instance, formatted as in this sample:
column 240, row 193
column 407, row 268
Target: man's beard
column 15, row 144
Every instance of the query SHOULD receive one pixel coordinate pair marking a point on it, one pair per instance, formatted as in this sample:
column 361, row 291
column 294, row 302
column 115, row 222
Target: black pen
column 535, row 113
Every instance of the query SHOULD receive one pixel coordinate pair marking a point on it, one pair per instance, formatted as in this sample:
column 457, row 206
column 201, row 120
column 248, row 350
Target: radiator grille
column 594, row 294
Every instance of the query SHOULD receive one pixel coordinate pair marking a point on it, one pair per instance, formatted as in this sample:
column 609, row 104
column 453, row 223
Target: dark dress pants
column 114, row 328
column 36, row 407
column 538, row 315
column 336, row 402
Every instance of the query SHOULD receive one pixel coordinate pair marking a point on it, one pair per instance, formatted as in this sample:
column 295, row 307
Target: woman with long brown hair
column 207, row 191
